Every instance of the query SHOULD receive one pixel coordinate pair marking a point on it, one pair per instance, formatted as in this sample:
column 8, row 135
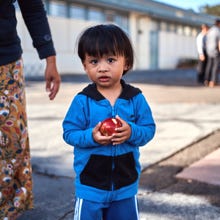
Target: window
column 122, row 21
column 172, row 28
column 179, row 29
column 163, row 26
column 195, row 32
column 109, row 16
column 46, row 4
column 58, row 9
column 16, row 5
column 95, row 15
column 76, row 11
column 187, row 31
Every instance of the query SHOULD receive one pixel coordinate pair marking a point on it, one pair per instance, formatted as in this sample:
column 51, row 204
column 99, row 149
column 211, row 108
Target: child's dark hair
column 106, row 39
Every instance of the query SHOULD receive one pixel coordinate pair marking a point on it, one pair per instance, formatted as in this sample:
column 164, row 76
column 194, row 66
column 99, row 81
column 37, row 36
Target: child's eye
column 94, row 61
column 111, row 60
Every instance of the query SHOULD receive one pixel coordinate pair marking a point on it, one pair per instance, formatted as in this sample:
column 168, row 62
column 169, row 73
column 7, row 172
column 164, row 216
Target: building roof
column 154, row 9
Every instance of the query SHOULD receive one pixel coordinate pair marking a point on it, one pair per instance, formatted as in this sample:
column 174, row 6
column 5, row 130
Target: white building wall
column 171, row 46
column 65, row 33
column 134, row 36
column 142, row 52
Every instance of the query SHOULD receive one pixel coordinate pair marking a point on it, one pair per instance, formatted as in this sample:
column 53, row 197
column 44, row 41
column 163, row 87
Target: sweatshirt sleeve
column 37, row 24
column 75, row 131
column 143, row 129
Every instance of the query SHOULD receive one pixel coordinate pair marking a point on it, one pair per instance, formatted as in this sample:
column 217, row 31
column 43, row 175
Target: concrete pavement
column 205, row 170
column 184, row 113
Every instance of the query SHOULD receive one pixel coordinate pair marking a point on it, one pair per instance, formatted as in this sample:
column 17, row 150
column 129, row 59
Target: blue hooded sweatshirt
column 107, row 173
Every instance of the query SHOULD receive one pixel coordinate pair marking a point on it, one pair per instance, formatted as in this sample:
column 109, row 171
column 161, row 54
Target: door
column 153, row 50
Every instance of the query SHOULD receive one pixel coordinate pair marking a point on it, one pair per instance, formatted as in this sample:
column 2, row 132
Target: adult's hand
column 52, row 77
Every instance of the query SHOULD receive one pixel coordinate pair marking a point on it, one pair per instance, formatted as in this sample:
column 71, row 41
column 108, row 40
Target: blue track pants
column 125, row 209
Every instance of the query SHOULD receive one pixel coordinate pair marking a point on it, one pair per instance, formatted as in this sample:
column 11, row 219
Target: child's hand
column 98, row 137
column 123, row 133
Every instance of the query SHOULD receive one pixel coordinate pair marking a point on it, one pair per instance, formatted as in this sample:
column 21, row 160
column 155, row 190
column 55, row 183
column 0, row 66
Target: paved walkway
column 206, row 170
column 184, row 113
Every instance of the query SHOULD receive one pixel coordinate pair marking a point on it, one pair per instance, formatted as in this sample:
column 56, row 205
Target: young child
column 107, row 167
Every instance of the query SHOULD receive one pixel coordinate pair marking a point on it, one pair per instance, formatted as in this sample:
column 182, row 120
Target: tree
column 212, row 10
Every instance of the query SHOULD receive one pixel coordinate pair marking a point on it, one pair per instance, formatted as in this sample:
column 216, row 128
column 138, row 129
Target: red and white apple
column 109, row 125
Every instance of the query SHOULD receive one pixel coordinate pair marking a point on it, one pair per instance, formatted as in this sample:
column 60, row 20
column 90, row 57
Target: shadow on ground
column 174, row 77
column 160, row 177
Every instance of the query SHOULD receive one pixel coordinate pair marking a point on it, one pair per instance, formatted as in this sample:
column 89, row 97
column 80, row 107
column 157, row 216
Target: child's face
column 106, row 71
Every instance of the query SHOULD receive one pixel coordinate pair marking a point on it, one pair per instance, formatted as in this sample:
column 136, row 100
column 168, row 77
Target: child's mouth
column 103, row 78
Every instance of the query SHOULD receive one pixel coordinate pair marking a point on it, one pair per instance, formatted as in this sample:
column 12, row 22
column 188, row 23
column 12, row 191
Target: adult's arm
column 35, row 18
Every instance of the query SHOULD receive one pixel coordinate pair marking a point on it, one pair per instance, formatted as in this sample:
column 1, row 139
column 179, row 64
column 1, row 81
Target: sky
column 190, row 4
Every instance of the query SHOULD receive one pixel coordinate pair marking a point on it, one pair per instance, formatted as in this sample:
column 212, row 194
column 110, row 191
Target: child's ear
column 126, row 67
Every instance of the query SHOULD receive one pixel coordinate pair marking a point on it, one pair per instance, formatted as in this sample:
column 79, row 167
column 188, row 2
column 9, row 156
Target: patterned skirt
column 15, row 168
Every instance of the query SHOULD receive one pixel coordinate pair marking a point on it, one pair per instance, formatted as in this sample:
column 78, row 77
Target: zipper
column 113, row 155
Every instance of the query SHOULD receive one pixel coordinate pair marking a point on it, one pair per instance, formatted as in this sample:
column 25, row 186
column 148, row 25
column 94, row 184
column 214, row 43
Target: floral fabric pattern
column 15, row 168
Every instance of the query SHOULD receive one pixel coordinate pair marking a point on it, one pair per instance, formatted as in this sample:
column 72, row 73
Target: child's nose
column 103, row 67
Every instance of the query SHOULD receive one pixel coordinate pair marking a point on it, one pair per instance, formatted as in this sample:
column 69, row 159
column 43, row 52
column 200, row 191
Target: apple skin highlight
column 109, row 125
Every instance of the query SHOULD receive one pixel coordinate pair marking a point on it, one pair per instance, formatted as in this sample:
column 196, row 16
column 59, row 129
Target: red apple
column 109, row 125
